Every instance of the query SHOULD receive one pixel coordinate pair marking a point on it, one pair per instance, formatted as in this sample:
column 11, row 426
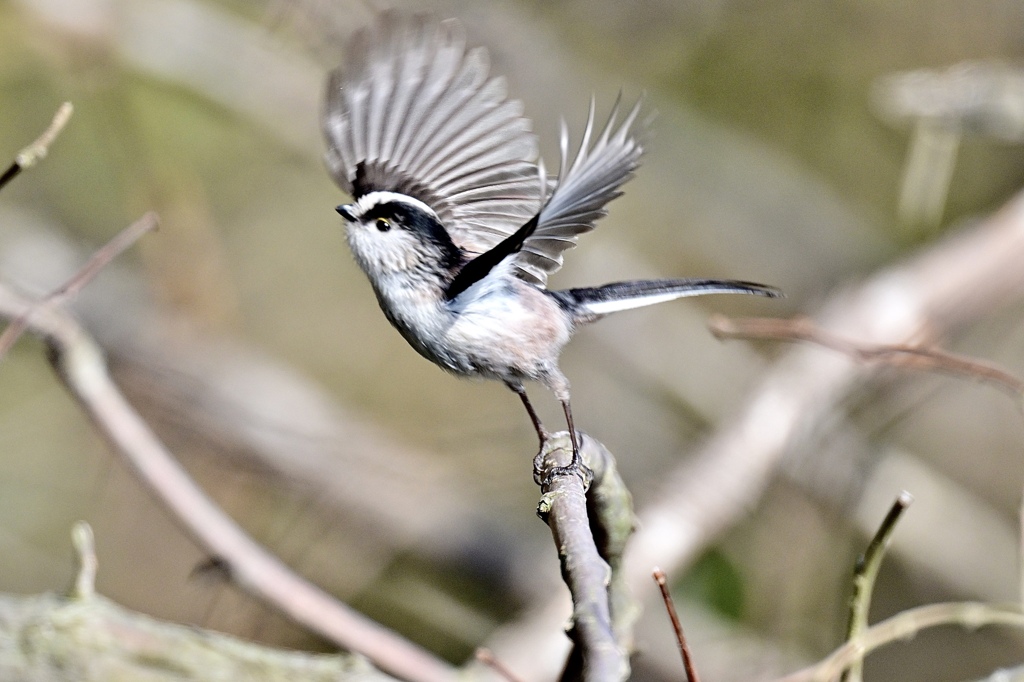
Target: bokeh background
column 247, row 336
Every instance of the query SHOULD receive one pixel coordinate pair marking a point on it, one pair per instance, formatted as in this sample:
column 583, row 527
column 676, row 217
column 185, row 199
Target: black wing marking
column 582, row 191
column 478, row 268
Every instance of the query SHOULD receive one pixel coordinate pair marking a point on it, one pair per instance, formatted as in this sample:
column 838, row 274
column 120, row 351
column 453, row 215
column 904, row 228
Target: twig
column 898, row 355
column 79, row 362
column 99, row 260
column 684, row 649
column 487, row 657
column 864, row 576
column 36, row 151
column 103, row 255
column 596, row 653
column 905, row 625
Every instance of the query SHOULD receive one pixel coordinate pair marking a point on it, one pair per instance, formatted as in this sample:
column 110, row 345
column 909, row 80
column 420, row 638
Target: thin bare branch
column 37, row 151
column 103, row 255
column 905, row 625
column 612, row 522
column 99, row 260
column 922, row 358
column 864, row 576
column 670, row 607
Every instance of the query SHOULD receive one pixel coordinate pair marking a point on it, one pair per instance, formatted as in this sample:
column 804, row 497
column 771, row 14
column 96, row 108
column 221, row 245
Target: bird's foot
column 544, row 475
column 538, row 466
column 577, row 468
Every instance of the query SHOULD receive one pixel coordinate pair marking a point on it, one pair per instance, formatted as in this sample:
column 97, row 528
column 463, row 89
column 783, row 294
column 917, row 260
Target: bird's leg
column 576, row 465
column 560, row 387
column 542, row 433
column 577, row 461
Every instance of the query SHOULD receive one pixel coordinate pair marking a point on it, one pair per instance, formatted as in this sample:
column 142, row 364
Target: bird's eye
column 383, row 225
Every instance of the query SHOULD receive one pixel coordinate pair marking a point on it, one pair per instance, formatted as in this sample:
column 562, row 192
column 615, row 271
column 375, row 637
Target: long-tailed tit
column 454, row 221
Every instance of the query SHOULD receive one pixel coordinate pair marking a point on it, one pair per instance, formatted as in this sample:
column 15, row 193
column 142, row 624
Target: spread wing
column 413, row 111
column 581, row 192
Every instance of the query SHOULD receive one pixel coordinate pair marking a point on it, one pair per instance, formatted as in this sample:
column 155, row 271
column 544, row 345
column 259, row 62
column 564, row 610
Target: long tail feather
column 590, row 303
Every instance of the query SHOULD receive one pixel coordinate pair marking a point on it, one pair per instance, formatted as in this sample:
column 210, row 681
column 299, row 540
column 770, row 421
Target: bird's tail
column 591, row 303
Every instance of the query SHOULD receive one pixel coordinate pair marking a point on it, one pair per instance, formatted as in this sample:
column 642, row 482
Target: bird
column 454, row 220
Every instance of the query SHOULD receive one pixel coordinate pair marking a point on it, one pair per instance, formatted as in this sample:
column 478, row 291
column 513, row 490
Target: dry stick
column 864, row 576
column 684, row 649
column 487, row 657
column 563, row 506
column 913, row 357
column 36, row 151
column 905, row 625
column 99, row 260
column 80, row 364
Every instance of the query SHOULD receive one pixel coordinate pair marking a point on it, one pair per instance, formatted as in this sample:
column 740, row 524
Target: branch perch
column 590, row 529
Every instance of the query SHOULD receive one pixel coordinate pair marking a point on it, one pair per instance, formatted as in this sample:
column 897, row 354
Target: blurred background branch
column 36, row 151
column 79, row 363
column 87, row 638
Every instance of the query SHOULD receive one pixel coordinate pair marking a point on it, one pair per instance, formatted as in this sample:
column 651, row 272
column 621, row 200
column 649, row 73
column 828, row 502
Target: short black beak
column 345, row 211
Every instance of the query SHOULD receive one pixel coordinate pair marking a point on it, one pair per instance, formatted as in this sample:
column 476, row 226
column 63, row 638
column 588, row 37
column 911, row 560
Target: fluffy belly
column 520, row 339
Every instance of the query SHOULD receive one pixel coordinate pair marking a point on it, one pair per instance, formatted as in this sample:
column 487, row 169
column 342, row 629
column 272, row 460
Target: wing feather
column 409, row 65
column 419, row 113
column 453, row 102
column 443, row 58
column 582, row 191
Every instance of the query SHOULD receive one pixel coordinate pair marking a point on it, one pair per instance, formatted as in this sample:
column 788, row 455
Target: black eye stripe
column 400, row 215
column 391, row 211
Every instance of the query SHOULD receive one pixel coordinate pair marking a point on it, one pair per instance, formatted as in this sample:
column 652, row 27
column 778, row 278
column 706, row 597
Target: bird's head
column 392, row 233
